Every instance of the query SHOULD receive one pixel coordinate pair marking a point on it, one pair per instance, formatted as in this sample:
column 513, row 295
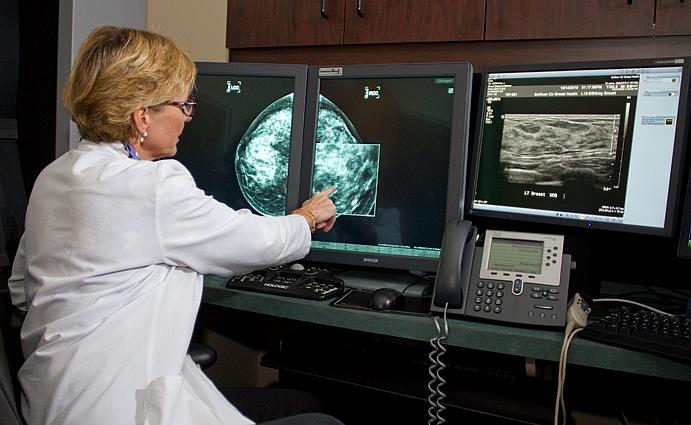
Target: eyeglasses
column 187, row 107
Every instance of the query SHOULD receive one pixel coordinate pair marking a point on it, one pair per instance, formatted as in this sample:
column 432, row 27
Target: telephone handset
column 455, row 263
column 515, row 277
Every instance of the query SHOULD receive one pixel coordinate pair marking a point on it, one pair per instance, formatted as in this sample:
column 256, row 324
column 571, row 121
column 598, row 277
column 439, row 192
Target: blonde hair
column 119, row 70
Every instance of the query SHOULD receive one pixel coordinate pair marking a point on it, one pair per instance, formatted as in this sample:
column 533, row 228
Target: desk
column 523, row 342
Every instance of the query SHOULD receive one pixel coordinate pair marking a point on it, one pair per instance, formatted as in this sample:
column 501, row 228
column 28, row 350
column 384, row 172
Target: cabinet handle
column 323, row 11
column 359, row 8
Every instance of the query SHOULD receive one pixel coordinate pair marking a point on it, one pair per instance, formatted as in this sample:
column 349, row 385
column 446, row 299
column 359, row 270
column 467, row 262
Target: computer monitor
column 393, row 139
column 594, row 144
column 684, row 250
column 243, row 144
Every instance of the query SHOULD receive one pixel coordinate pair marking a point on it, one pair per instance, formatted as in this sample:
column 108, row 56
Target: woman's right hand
column 321, row 208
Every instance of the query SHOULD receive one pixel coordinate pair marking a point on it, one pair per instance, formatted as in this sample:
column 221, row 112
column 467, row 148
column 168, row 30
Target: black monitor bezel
column 462, row 73
column 677, row 156
column 684, row 250
column 299, row 75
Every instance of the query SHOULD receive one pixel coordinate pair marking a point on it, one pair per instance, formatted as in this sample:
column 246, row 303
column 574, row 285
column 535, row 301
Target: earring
column 141, row 139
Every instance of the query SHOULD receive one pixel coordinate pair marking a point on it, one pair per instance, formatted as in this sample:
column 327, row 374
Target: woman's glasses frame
column 187, row 107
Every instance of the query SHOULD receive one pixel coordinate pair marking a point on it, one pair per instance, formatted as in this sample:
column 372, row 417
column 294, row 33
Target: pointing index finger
column 326, row 192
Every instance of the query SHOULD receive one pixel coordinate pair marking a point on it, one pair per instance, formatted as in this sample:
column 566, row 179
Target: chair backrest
column 9, row 408
column 12, row 193
column 11, row 359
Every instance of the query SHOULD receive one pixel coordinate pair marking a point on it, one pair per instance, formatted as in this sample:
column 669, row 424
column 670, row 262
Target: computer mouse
column 385, row 298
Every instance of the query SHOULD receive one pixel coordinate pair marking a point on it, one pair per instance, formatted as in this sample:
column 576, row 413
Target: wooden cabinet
column 406, row 21
column 549, row 19
column 270, row 23
column 673, row 17
column 364, row 31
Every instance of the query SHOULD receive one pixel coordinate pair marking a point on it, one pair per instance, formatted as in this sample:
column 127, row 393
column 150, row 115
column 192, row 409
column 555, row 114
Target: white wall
column 198, row 27
column 77, row 18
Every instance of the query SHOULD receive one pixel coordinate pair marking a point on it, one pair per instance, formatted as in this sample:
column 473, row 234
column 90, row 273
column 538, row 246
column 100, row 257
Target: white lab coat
column 110, row 268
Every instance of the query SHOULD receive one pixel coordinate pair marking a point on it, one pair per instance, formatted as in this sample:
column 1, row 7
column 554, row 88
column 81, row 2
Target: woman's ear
column 141, row 119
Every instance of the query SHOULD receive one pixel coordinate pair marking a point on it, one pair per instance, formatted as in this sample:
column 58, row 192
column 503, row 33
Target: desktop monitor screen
column 243, row 144
column 393, row 139
column 591, row 144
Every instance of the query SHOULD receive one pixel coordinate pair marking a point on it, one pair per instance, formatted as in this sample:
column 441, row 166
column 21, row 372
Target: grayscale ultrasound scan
column 555, row 149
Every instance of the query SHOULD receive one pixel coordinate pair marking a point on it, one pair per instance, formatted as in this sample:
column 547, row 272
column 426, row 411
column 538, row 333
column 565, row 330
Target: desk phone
column 515, row 277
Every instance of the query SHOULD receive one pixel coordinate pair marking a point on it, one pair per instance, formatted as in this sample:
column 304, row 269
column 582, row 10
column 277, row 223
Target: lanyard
column 131, row 152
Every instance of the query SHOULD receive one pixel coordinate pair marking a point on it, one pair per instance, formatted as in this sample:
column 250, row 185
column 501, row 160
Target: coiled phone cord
column 436, row 367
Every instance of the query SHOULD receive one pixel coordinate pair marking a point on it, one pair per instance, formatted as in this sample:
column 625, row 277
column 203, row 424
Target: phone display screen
column 516, row 255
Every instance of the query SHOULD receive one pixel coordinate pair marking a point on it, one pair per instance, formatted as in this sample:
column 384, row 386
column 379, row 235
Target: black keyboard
column 311, row 283
column 642, row 329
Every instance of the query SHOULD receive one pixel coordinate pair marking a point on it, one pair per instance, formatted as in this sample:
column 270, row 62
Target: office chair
column 9, row 408
column 9, row 400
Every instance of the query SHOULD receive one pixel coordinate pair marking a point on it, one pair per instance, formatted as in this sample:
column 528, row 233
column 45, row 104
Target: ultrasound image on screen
column 548, row 147
column 237, row 146
column 385, row 144
column 559, row 149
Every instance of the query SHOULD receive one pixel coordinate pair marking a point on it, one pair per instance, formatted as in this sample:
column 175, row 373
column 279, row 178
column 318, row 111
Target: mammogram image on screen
column 262, row 157
column 341, row 159
column 560, row 149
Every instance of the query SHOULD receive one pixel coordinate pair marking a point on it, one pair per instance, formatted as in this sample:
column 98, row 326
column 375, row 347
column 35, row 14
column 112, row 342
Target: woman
column 110, row 267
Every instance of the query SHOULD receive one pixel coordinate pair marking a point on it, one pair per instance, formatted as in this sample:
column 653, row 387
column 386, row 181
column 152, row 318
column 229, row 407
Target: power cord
column 576, row 319
column 436, row 367
column 624, row 301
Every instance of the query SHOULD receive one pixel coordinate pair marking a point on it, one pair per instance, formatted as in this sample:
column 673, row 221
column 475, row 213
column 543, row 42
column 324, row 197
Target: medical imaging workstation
column 497, row 197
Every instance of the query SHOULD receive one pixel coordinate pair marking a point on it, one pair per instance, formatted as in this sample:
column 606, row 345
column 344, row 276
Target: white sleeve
column 16, row 280
column 199, row 232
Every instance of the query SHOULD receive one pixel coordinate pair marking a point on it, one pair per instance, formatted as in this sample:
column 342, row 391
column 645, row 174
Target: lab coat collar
column 115, row 147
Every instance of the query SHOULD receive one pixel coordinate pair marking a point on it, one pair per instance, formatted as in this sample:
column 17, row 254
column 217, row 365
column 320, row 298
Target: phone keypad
column 489, row 297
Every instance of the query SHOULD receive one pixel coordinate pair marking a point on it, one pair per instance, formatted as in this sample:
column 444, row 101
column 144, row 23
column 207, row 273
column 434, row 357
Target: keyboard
column 643, row 330
column 311, row 283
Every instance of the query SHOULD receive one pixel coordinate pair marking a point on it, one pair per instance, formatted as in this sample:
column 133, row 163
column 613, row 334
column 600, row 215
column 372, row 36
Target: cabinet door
column 402, row 21
column 673, row 17
column 269, row 23
column 537, row 19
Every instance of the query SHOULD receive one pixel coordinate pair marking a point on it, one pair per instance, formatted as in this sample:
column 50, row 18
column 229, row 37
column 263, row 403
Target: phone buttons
column 517, row 288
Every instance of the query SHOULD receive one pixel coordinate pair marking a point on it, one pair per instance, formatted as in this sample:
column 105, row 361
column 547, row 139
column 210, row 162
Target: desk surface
column 524, row 342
